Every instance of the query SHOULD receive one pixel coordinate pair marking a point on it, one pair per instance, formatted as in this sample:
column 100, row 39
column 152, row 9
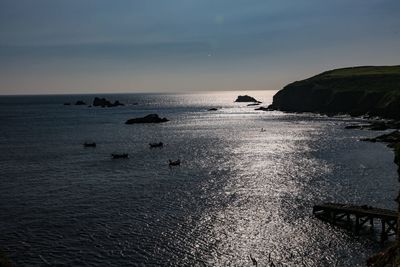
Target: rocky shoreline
column 390, row 256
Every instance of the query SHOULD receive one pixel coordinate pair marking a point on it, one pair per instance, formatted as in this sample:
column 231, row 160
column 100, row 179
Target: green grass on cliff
column 368, row 78
column 360, row 71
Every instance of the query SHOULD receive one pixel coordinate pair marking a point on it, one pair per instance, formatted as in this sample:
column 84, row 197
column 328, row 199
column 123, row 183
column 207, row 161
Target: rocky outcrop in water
column 246, row 98
column 264, row 109
column 102, row 102
column 80, row 103
column 151, row 118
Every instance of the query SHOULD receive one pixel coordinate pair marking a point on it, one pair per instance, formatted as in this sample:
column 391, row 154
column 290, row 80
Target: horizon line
column 138, row 92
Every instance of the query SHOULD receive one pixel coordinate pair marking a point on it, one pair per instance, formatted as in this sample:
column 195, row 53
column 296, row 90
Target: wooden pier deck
column 356, row 217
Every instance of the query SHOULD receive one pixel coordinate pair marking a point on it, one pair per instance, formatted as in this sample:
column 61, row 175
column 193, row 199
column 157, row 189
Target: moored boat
column 153, row 145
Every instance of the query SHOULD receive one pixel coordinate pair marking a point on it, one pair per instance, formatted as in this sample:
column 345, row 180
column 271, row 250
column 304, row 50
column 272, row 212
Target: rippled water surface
column 238, row 191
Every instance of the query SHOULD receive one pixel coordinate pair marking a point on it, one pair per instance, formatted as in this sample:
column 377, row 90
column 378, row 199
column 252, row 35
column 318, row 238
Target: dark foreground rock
column 4, row 260
column 102, row 102
column 151, row 118
column 246, row 98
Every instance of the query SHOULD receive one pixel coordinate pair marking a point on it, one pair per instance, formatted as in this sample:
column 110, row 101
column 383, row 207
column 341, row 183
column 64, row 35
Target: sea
column 245, row 187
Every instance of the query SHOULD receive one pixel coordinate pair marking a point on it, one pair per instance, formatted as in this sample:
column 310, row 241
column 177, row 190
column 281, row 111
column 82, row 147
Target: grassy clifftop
column 357, row 91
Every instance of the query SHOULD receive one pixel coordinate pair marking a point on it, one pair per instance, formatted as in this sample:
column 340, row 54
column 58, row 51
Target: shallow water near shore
column 238, row 191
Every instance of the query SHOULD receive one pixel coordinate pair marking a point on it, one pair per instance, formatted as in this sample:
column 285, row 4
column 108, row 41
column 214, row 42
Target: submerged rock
column 80, row 102
column 89, row 144
column 120, row 156
column 355, row 126
column 246, row 98
column 264, row 109
column 376, row 126
column 212, row 109
column 151, row 118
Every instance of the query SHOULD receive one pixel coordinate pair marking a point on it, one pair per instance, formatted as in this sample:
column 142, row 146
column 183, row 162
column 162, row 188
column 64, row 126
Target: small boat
column 175, row 162
column 120, row 156
column 86, row 144
column 153, row 145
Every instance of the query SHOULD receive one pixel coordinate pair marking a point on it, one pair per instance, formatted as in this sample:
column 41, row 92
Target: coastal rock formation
column 356, row 91
column 376, row 126
column 151, row 118
column 246, row 98
column 397, row 157
column 102, row 102
column 212, row 109
column 391, row 138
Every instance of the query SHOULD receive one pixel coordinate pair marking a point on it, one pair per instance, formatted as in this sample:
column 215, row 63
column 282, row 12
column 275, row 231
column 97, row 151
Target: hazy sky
column 79, row 46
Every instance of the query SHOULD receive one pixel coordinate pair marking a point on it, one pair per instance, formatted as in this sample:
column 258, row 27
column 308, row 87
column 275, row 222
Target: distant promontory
column 369, row 90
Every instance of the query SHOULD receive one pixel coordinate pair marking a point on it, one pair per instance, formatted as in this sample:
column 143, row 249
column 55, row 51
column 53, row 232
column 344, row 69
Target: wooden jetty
column 356, row 217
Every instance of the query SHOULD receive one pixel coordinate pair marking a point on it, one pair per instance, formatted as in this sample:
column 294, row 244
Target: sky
column 96, row 46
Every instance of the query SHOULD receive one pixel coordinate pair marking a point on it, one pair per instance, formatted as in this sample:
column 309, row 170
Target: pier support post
column 383, row 234
column 371, row 221
column 357, row 225
column 348, row 221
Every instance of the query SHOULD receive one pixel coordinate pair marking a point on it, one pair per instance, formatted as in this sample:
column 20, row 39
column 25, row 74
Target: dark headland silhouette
column 369, row 90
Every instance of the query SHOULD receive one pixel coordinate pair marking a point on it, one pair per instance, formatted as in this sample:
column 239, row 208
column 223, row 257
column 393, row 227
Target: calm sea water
column 239, row 191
